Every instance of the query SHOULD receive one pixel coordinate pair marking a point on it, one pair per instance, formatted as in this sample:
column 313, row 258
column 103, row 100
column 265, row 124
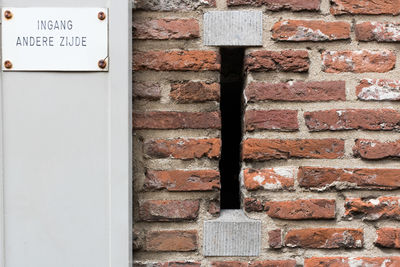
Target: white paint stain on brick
column 276, row 185
column 374, row 201
column 354, row 262
column 287, row 172
column 271, row 181
column 380, row 90
column 304, row 33
column 387, row 32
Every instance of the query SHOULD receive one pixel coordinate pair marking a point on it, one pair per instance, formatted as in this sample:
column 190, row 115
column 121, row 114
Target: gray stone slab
column 233, row 28
column 233, row 234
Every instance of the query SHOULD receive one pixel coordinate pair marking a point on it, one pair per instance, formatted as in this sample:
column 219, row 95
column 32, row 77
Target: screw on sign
column 101, row 15
column 8, row 64
column 102, row 64
column 8, row 14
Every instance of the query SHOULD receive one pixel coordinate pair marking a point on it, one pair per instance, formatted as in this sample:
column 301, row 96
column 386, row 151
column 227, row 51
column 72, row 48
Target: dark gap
column 232, row 82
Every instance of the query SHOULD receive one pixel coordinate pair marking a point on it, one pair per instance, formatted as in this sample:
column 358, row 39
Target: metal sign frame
column 54, row 39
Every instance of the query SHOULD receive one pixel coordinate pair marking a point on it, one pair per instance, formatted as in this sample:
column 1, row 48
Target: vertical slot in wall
column 232, row 102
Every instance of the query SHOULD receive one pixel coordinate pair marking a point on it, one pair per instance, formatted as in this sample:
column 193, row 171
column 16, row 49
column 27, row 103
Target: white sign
column 55, row 39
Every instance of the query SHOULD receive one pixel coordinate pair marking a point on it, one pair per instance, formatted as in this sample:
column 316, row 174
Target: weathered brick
column 194, row 60
column 325, row 238
column 286, row 61
column 274, row 179
column 267, row 263
column 183, row 148
column 301, row 209
column 376, row 7
column 374, row 89
column 277, row 5
column 296, row 91
column 168, row 264
column 275, row 238
column 268, row 149
column 352, row 262
column 326, row 178
column 388, row 237
column 165, row 29
column 172, row 5
column 353, row 119
column 280, row 120
column 182, row 180
column 310, row 30
column 214, row 207
column 147, row 91
column 176, row 120
column 378, row 31
column 373, row 209
column 273, row 263
column 360, row 61
column 181, row 264
column 169, row 210
column 253, row 204
column 137, row 238
column 195, row 92
column 374, row 149
column 229, row 264
column 171, row 240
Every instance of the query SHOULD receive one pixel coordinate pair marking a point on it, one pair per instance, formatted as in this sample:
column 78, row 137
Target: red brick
column 267, row 263
column 176, row 60
column 272, row 263
column 378, row 31
column 277, row 5
column 376, row 7
column 195, row 92
column 168, row 264
column 169, row 210
column 166, row 29
column 373, row 209
column 171, row 241
column 310, row 30
column 374, row 149
column 325, row 238
column 275, row 238
column 214, row 207
column 388, row 238
column 280, row 120
column 286, row 61
column 352, row 262
column 172, row 5
column 275, row 179
column 325, row 178
column 373, row 89
column 181, row 264
column 301, row 209
column 360, row 61
column 229, row 264
column 183, row 148
column 326, row 262
column 182, row 180
column 176, row 120
column 296, row 91
column 353, row 119
column 147, row 91
column 253, row 204
column 268, row 149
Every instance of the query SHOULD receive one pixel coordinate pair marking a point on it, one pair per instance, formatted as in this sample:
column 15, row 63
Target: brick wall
column 321, row 146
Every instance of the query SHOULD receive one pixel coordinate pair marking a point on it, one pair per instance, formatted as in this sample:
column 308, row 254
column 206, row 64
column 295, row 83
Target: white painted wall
column 66, row 158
